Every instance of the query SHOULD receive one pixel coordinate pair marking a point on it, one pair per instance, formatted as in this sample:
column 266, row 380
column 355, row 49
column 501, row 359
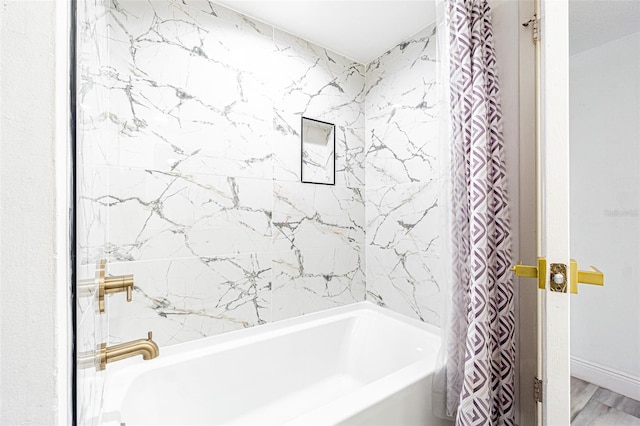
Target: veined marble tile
column 311, row 280
column 155, row 215
column 185, row 299
column 406, row 282
column 92, row 225
column 403, row 217
column 401, row 114
column 86, row 289
column 317, row 216
column 206, row 109
column 318, row 162
column 92, row 126
column 312, row 81
column 350, row 154
column 94, row 129
column 418, row 47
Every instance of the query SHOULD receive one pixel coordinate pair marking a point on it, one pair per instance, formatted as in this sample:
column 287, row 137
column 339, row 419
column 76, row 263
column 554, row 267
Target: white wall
column 33, row 333
column 605, row 218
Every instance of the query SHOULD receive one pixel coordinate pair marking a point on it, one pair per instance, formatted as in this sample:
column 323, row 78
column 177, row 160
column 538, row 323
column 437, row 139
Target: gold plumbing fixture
column 114, row 284
column 89, row 286
column 145, row 347
column 558, row 275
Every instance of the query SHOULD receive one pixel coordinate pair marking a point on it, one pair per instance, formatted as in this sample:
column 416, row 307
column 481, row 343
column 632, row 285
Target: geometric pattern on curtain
column 481, row 348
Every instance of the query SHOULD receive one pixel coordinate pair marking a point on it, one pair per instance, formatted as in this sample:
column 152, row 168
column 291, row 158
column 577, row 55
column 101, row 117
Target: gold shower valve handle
column 114, row 284
column 119, row 283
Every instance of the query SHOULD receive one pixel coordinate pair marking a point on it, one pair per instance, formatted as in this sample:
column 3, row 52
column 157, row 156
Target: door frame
column 528, row 218
column 64, row 158
column 544, row 210
column 554, row 208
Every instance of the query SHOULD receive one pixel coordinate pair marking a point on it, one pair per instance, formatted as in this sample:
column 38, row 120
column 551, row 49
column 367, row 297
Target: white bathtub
column 358, row 364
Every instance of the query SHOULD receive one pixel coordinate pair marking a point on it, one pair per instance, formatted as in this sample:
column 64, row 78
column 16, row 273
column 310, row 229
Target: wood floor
column 593, row 405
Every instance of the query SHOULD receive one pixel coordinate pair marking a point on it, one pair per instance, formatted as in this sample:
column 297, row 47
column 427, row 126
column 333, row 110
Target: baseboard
column 605, row 377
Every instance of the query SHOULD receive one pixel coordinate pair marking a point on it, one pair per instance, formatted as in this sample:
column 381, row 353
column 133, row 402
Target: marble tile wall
column 195, row 174
column 404, row 270
column 204, row 200
column 92, row 131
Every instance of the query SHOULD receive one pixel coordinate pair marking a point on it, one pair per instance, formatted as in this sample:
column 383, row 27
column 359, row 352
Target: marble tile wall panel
column 318, row 247
column 92, row 130
column 316, row 216
column 312, row 81
column 310, row 280
column 403, row 220
column 160, row 215
column 185, row 299
column 318, row 230
column 203, row 173
column 92, row 127
column 406, row 282
column 318, row 156
column 401, row 136
column 404, row 217
column 190, row 91
column 404, row 271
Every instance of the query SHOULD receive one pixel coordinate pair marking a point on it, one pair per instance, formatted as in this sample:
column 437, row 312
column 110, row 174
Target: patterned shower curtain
column 481, row 347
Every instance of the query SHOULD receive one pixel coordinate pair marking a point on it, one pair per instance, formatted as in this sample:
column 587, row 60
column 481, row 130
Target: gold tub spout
column 145, row 347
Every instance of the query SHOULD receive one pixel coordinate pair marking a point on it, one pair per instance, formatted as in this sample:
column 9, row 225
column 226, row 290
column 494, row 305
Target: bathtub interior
column 277, row 373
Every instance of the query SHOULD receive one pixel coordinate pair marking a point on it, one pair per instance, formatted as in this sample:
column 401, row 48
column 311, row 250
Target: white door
column 589, row 159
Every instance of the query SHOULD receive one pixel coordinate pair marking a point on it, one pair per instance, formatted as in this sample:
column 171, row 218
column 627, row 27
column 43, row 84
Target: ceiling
column 364, row 29
column 596, row 22
column 358, row 29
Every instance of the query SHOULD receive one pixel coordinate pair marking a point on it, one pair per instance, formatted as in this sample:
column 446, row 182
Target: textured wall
column 33, row 301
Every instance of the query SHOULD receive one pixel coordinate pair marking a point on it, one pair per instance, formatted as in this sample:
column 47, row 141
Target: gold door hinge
column 538, row 272
column 537, row 389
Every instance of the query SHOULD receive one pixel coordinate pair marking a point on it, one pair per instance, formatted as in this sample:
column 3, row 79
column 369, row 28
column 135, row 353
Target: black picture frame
column 302, row 119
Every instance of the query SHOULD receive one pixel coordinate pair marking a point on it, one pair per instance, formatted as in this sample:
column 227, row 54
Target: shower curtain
column 480, row 359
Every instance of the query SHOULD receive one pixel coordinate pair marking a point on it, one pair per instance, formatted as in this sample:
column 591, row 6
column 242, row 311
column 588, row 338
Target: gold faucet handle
column 115, row 284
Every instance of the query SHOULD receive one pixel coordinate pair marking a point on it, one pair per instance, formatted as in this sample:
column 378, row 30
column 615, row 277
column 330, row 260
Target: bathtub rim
column 263, row 332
